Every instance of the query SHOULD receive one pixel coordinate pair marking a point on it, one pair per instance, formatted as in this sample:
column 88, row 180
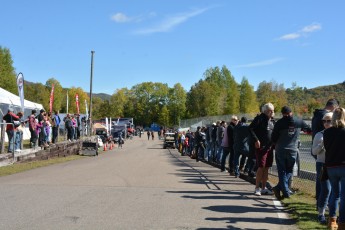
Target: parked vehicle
column 169, row 140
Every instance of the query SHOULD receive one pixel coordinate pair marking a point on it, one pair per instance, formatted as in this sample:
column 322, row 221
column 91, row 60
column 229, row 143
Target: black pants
column 33, row 137
column 42, row 137
column 55, row 134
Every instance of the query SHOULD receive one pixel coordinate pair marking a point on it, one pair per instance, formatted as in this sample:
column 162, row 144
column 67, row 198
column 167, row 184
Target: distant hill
column 323, row 93
column 103, row 96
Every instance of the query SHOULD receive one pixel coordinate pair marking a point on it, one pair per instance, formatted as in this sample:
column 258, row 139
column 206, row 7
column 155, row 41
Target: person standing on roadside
column 261, row 130
column 228, row 146
column 10, row 117
column 55, row 126
column 241, row 146
column 285, row 137
column 319, row 151
column 317, row 126
column 197, row 143
column 333, row 139
column 33, row 128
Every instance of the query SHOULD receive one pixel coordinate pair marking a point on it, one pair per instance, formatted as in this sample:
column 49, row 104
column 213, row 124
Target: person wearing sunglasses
column 323, row 187
column 334, row 142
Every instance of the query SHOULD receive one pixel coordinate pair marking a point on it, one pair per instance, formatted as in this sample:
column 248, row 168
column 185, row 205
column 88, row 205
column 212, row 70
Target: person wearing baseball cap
column 285, row 137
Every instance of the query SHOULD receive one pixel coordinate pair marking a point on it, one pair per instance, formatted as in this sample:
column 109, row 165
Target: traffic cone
column 104, row 147
column 111, row 146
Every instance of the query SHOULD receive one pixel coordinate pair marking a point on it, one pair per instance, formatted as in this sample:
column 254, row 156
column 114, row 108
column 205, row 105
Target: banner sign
column 20, row 84
column 51, row 101
column 77, row 103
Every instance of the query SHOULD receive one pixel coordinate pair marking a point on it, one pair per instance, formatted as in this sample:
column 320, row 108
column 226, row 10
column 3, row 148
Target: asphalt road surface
column 141, row 186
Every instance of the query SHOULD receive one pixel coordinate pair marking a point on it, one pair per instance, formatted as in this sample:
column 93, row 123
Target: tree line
column 216, row 93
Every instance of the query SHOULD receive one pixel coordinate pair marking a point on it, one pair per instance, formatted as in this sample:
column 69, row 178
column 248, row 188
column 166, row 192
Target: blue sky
column 175, row 41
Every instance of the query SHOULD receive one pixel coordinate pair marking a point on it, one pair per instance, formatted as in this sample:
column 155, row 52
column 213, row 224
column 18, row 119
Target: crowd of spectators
column 251, row 148
column 44, row 128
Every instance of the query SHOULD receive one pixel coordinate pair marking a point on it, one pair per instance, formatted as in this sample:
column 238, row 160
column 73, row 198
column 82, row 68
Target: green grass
column 21, row 167
column 302, row 208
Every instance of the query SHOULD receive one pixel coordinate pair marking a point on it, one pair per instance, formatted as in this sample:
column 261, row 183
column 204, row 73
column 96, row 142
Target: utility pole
column 90, row 109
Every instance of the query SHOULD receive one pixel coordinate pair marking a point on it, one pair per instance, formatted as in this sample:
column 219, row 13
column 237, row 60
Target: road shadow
column 191, row 172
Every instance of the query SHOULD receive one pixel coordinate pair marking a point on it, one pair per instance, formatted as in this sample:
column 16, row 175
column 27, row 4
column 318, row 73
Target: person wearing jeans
column 241, row 147
column 228, row 145
column 323, row 186
column 333, row 139
column 285, row 137
column 10, row 117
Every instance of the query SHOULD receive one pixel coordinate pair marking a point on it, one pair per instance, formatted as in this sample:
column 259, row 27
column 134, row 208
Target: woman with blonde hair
column 323, row 186
column 334, row 142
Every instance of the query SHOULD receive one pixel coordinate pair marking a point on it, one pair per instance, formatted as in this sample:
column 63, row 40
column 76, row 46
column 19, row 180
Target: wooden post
column 2, row 143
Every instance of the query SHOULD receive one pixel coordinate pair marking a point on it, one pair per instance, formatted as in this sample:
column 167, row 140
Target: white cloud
column 120, row 18
column 260, row 63
column 311, row 28
column 169, row 23
column 303, row 32
column 289, row 36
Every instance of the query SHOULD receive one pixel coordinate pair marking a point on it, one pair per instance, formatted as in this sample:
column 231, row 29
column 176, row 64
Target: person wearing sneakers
column 285, row 137
column 260, row 131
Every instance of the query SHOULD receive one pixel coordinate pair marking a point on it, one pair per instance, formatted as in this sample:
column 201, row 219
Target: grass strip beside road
column 302, row 208
column 25, row 166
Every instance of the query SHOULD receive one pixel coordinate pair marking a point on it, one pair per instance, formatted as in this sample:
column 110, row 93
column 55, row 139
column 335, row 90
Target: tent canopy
column 10, row 100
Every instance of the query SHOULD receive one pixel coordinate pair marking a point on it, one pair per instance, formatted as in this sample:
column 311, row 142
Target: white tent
column 10, row 100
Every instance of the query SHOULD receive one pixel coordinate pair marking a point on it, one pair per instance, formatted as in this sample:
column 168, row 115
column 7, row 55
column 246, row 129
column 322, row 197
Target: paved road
column 141, row 186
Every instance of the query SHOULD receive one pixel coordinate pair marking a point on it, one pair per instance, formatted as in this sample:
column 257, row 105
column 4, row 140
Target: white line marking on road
column 278, row 205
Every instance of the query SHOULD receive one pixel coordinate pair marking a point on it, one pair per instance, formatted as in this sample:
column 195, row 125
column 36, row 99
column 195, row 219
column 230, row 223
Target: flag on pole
column 106, row 125
column 20, row 84
column 87, row 112
column 51, row 101
column 77, row 102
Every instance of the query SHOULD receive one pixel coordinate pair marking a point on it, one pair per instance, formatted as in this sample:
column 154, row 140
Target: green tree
column 232, row 94
column 118, row 103
column 176, row 103
column 7, row 72
column 97, row 104
column 248, row 103
column 82, row 96
column 58, row 93
column 272, row 92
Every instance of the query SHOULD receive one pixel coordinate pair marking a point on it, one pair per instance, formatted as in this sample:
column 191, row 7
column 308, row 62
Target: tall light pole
column 90, row 109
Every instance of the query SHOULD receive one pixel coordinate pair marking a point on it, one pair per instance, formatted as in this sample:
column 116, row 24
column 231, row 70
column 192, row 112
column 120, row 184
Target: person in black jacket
column 333, row 139
column 197, row 142
column 260, row 132
column 241, row 144
column 285, row 137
